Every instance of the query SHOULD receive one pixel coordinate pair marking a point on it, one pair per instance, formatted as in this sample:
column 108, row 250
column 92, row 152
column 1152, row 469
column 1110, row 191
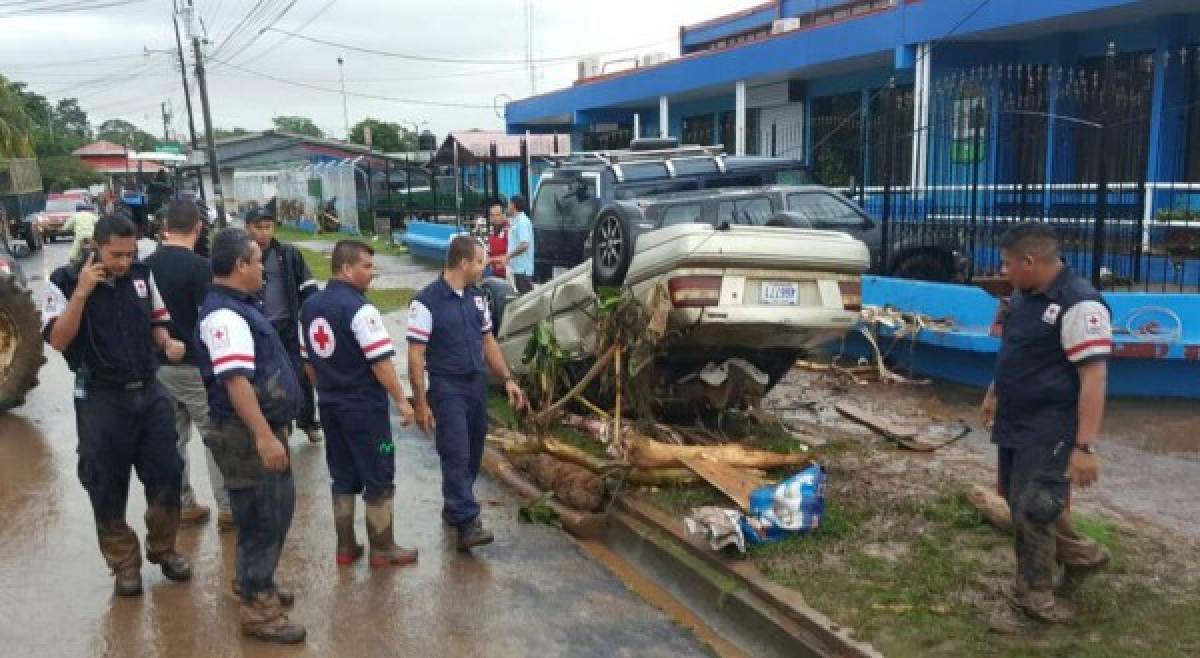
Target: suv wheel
column 925, row 265
column 612, row 249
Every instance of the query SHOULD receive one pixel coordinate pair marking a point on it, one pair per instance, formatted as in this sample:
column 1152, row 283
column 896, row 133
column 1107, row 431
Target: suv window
column 825, row 210
column 755, row 211
column 624, row 192
column 687, row 213
column 558, row 204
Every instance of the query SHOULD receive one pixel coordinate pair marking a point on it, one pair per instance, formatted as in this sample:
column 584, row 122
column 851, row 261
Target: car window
column 60, row 205
column 825, row 210
column 624, row 192
column 565, row 204
column 755, row 211
column 794, row 177
column 686, row 213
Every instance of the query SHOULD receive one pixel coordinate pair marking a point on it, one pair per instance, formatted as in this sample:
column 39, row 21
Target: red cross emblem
column 219, row 334
column 320, row 334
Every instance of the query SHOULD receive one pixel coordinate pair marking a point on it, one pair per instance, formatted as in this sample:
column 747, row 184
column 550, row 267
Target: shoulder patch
column 140, row 286
column 480, row 303
column 1050, row 316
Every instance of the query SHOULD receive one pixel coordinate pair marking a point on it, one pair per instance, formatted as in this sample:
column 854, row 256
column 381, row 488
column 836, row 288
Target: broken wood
column 645, row 452
column 597, row 367
column 736, row 483
column 583, row 525
column 908, row 436
column 992, row 506
column 574, row 485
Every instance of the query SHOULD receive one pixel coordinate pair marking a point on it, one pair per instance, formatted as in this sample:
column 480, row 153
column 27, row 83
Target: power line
column 85, row 61
column 419, row 78
column 324, row 8
column 258, row 35
column 412, row 101
column 463, row 60
column 68, row 8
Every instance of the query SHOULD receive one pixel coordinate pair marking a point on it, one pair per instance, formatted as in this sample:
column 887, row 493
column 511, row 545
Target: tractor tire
column 21, row 346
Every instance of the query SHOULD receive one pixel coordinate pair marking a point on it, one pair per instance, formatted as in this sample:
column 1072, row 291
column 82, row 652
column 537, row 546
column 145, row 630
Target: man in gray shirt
column 288, row 283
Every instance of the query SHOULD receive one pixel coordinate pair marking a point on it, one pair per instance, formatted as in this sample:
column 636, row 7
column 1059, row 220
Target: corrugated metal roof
column 101, row 147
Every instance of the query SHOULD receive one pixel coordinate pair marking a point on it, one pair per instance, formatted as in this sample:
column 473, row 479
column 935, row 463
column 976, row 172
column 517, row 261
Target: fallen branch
column 647, row 453
column 597, row 367
column 583, row 525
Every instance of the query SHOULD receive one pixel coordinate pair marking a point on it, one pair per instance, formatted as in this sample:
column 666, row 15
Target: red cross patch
column 321, row 338
column 220, row 338
column 1095, row 324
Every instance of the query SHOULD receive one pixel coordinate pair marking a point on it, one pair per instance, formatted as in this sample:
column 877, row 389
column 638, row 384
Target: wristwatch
column 1089, row 448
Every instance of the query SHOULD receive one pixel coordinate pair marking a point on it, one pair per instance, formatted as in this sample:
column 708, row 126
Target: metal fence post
column 495, row 164
column 977, row 156
column 525, row 168
column 889, row 135
column 774, row 140
column 1098, row 237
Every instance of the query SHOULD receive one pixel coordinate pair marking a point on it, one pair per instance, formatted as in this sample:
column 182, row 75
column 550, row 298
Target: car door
column 562, row 215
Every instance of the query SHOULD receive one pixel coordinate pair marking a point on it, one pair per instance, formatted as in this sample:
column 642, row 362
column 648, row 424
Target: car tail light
column 693, row 291
column 5, row 268
column 851, row 295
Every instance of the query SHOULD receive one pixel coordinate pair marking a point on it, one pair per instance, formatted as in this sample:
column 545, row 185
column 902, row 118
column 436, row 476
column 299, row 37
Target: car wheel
column 612, row 249
column 20, row 343
column 927, row 265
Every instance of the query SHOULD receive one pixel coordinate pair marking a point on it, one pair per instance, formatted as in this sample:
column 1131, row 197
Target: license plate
column 780, row 293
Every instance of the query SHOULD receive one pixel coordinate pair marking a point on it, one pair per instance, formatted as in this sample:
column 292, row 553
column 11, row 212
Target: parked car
column 619, row 225
column 570, row 194
column 59, row 208
column 746, row 302
column 21, row 347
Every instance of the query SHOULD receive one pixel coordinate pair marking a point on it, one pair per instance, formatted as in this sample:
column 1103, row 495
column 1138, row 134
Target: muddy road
column 533, row 592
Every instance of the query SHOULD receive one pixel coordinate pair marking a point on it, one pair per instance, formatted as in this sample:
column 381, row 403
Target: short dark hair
column 230, row 246
column 113, row 226
column 349, row 252
column 182, row 216
column 494, row 203
column 1032, row 238
column 462, row 247
column 519, row 203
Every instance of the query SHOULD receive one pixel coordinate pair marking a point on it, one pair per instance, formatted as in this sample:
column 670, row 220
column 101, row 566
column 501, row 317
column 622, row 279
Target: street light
column 345, row 106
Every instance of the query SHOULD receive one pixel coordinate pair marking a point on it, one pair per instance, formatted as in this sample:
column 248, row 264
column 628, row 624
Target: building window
column 900, row 151
column 699, row 130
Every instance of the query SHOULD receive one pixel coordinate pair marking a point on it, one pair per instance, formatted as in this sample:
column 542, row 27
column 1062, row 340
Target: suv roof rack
column 665, row 157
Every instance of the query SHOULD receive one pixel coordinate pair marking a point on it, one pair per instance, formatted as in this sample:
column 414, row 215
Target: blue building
column 959, row 114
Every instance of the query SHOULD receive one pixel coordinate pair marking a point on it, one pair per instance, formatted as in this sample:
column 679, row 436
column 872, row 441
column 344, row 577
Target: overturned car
column 744, row 303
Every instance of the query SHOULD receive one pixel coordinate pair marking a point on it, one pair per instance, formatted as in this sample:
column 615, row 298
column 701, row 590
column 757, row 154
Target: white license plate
column 780, row 293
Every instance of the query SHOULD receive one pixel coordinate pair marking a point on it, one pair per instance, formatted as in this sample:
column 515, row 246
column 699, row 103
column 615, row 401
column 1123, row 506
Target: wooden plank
column 734, row 482
column 885, row 426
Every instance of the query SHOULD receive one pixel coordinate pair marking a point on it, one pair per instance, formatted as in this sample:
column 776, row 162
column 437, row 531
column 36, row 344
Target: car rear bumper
column 758, row 327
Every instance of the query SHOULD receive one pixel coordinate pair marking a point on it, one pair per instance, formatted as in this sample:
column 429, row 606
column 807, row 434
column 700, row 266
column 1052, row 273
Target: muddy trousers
column 263, row 513
column 189, row 400
column 1040, row 547
column 359, row 450
column 459, row 406
column 121, row 430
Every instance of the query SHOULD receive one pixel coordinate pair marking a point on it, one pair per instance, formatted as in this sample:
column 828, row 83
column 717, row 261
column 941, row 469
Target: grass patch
column 380, row 245
column 498, row 405
column 385, row 299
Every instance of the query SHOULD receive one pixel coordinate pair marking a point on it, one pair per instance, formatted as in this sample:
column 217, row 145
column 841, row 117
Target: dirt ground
column 903, row 559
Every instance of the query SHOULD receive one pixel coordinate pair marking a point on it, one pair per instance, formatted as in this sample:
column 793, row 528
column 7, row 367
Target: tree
column 222, row 133
column 119, row 131
column 16, row 128
column 297, row 126
column 72, row 120
column 57, row 129
column 386, row 136
column 63, row 172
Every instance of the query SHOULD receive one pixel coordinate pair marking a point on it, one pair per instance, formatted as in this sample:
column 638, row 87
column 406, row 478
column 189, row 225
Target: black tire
column 612, row 249
column 925, row 265
column 21, row 344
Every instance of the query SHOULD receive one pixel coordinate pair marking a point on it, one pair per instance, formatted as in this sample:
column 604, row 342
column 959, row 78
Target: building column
column 922, row 83
column 739, row 118
column 663, row 125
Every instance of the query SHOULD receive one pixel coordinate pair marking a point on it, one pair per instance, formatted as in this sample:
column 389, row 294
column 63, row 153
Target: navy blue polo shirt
column 115, row 342
column 342, row 336
column 233, row 338
column 451, row 325
column 1047, row 336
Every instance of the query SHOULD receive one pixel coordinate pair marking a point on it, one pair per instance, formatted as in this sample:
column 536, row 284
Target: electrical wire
column 68, row 8
column 324, row 8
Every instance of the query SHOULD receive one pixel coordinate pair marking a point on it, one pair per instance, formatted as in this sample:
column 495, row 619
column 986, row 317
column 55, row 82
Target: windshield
column 565, row 204
column 824, row 210
column 794, row 177
column 60, row 205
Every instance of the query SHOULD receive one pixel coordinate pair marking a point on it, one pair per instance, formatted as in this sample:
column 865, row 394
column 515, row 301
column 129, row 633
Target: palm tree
column 15, row 125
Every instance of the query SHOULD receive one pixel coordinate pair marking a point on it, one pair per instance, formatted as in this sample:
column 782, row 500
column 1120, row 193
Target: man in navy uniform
column 348, row 355
column 450, row 337
column 106, row 316
column 1045, row 406
column 253, row 397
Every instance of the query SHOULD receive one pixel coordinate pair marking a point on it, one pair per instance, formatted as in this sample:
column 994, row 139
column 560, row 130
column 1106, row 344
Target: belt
column 135, row 385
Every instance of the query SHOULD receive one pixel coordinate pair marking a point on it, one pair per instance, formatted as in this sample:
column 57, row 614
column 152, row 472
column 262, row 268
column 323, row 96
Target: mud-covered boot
column 263, row 618
column 384, row 551
column 162, row 524
column 473, row 534
column 348, row 548
column 121, row 551
column 1080, row 556
column 287, row 598
column 174, row 566
column 128, row 582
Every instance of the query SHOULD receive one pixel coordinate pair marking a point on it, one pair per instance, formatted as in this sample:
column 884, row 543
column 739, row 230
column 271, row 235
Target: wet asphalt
column 532, row 593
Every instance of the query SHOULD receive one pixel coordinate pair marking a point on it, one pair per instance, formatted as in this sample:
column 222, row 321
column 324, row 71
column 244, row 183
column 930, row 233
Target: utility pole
column 166, row 122
column 345, row 106
column 214, row 169
column 187, row 94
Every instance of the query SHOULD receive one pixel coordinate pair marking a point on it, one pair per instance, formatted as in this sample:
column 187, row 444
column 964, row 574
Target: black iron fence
column 1087, row 148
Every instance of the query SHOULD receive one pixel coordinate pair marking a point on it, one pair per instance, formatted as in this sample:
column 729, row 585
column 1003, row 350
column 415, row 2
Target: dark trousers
column 120, row 430
column 262, row 508
column 523, row 282
column 1036, row 543
column 359, row 450
column 308, row 413
column 459, row 406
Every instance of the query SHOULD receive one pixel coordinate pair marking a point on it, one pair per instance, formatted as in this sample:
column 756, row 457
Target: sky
column 120, row 61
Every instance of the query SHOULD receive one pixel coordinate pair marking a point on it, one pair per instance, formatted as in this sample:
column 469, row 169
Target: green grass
column 385, row 299
column 381, row 245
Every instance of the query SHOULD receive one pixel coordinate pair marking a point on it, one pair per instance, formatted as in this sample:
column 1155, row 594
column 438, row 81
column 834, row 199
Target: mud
column 533, row 592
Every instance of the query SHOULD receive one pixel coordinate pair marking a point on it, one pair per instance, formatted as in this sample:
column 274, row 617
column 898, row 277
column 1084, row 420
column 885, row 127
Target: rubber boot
column 119, row 546
column 162, row 524
column 263, row 618
column 384, row 550
column 348, row 549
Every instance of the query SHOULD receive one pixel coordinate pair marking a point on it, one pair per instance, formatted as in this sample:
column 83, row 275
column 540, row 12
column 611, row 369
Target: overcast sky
column 131, row 87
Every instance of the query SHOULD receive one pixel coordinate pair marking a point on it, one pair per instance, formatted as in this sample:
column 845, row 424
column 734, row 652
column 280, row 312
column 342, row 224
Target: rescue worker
column 1045, row 408
column 348, row 355
column 106, row 316
column 450, row 337
column 183, row 278
column 289, row 283
column 253, row 396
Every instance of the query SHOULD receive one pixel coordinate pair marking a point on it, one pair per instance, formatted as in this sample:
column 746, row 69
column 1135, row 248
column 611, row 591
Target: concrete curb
column 732, row 597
